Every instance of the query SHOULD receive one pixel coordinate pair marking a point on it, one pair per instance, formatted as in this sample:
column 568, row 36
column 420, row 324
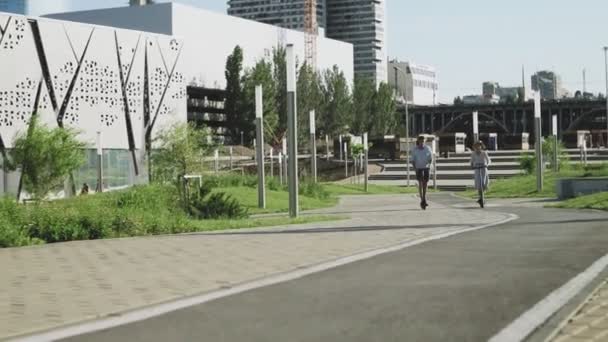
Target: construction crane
column 311, row 30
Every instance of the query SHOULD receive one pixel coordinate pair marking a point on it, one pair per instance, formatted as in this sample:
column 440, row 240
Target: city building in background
column 549, row 84
column 359, row 22
column 14, row 6
column 420, row 82
column 205, row 51
column 205, row 56
column 493, row 93
column 287, row 13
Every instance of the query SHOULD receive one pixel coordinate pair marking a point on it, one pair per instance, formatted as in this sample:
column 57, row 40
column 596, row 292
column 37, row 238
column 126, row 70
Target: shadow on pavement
column 343, row 229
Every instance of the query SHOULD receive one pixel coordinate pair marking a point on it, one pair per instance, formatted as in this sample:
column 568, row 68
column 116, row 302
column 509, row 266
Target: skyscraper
column 359, row 22
column 286, row 13
column 14, row 6
column 550, row 85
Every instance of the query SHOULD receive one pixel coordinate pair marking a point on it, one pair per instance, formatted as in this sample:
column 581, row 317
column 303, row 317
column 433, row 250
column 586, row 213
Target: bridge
column 510, row 119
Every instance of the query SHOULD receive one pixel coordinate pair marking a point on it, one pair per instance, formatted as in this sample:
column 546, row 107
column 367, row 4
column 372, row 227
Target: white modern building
column 415, row 82
column 359, row 22
column 118, row 85
column 210, row 37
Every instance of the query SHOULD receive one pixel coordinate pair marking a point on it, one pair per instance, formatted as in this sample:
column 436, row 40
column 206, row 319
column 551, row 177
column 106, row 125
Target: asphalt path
column 462, row 288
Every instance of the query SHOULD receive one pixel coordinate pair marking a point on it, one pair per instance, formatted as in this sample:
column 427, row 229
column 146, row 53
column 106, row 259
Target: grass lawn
column 358, row 189
column 277, row 201
column 213, row 225
column 525, row 186
column 594, row 201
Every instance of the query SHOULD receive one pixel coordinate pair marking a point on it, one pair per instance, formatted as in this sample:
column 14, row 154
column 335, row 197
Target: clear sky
column 471, row 41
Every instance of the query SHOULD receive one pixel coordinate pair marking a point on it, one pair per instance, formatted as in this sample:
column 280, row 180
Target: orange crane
column 311, row 30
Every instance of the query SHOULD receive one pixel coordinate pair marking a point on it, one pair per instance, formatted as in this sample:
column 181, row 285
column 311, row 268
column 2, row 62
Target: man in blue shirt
column 421, row 159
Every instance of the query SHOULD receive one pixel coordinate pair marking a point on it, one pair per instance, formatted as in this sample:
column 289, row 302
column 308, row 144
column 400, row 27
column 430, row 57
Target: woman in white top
column 480, row 160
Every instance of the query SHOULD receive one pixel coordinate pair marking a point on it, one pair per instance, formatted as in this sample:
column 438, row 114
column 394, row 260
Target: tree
column 363, row 104
column 308, row 98
column 179, row 152
column 46, row 157
column 458, row 101
column 336, row 102
column 385, row 111
column 260, row 74
column 234, row 67
column 279, row 73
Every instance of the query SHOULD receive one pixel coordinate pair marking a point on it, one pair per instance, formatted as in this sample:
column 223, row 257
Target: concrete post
column 231, row 161
column 271, row 162
column 216, row 161
column 327, row 146
column 345, row 161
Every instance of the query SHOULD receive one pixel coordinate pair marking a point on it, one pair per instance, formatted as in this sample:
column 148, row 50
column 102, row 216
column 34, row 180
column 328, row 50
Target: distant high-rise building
column 549, row 84
column 286, row 13
column 14, row 6
column 415, row 82
column 359, row 22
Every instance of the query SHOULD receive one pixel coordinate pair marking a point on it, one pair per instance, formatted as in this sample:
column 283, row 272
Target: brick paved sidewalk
column 590, row 322
column 48, row 286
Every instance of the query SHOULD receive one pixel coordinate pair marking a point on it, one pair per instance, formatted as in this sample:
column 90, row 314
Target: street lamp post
column 606, row 69
column 259, row 124
column 313, row 146
column 366, row 161
column 99, row 163
column 407, row 118
column 292, row 124
column 555, row 143
column 539, row 143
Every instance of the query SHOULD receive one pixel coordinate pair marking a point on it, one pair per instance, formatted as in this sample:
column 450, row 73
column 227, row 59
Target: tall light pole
column 259, row 125
column 407, row 117
column 606, row 69
column 99, row 162
column 313, row 146
column 539, row 143
column 292, row 124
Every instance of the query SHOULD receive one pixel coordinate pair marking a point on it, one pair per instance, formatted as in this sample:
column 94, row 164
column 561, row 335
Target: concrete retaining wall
column 574, row 187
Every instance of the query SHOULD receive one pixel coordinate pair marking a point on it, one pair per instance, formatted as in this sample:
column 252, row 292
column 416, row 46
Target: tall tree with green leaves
column 280, row 80
column 260, row 74
column 363, row 105
column 180, row 149
column 46, row 157
column 336, row 103
column 234, row 90
column 384, row 111
column 309, row 98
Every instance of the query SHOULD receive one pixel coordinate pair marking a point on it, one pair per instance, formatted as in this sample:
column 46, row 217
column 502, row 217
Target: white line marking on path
column 530, row 320
column 161, row 309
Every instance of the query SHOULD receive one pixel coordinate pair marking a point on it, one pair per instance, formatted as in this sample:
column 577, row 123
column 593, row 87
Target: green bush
column 527, row 163
column 202, row 204
column 314, row 190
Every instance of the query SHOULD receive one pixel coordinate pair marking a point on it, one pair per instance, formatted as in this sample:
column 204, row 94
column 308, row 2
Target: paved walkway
column 589, row 322
column 44, row 287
